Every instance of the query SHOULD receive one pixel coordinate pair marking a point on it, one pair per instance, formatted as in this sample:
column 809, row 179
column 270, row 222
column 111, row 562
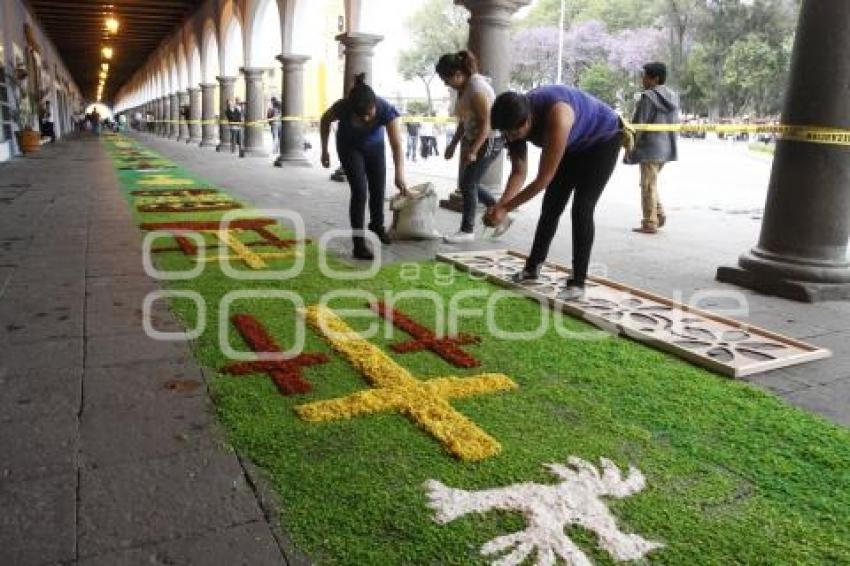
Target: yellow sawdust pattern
column 397, row 390
column 165, row 180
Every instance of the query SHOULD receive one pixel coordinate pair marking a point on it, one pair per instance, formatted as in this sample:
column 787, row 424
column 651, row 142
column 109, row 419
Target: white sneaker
column 570, row 293
column 459, row 238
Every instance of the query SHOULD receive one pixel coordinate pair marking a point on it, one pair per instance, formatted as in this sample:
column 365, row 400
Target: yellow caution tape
column 808, row 134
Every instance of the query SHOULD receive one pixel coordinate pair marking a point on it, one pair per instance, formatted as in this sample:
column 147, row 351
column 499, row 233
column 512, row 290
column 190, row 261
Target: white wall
column 13, row 15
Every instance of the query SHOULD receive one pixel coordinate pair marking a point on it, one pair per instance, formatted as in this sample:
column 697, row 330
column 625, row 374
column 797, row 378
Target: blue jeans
column 470, row 182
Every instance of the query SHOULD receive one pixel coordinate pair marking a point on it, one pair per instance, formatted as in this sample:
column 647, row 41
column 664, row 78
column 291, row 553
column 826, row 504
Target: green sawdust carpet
column 733, row 475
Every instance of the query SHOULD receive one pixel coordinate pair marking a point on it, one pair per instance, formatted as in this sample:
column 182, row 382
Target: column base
column 295, row 159
column 208, row 143
column 253, row 152
column 194, row 140
column 803, row 291
column 222, row 147
column 454, row 202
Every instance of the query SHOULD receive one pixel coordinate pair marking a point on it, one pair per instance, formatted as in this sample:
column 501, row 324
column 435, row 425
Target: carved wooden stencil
column 718, row 343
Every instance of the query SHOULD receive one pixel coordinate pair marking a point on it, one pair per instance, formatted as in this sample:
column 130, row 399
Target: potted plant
column 24, row 112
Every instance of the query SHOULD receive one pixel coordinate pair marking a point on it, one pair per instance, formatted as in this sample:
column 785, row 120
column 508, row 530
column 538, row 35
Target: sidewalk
column 111, row 454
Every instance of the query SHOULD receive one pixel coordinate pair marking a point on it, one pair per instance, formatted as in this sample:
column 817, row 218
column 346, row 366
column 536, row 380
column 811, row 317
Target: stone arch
column 182, row 69
column 195, row 72
column 263, row 31
column 231, row 40
column 210, row 53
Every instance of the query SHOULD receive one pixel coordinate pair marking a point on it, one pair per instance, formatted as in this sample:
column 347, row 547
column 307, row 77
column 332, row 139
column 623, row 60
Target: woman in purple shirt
column 580, row 139
column 364, row 119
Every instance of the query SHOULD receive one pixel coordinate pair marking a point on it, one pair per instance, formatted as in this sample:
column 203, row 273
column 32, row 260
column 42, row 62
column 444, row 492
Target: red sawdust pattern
column 285, row 374
column 174, row 193
column 189, row 207
column 258, row 225
column 448, row 348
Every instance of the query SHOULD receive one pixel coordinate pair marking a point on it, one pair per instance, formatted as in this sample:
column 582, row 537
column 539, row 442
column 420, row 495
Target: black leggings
column 366, row 169
column 584, row 173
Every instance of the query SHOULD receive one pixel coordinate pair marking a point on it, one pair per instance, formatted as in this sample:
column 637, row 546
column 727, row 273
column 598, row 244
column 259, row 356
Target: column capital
column 493, row 12
column 207, row 85
column 356, row 41
column 193, row 89
column 253, row 72
column 226, row 80
column 291, row 60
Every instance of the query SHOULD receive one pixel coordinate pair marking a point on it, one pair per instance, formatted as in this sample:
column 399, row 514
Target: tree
column 438, row 27
column 602, row 81
column 535, row 56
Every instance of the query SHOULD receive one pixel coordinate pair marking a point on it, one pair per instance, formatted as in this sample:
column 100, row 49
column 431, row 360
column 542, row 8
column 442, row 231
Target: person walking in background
column 363, row 118
column 412, row 139
column 273, row 115
column 479, row 146
column 581, row 138
column 658, row 105
column 46, row 122
column 234, row 119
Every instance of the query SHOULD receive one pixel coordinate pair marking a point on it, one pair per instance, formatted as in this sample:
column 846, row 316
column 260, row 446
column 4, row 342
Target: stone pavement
column 109, row 449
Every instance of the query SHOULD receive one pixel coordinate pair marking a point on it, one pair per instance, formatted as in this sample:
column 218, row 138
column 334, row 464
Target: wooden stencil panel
column 718, row 343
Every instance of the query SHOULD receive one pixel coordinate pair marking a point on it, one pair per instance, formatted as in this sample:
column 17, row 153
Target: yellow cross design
column 165, row 181
column 396, row 390
column 252, row 259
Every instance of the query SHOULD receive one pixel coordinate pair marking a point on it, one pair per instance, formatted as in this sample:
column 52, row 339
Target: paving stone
column 64, row 353
column 33, row 313
column 26, row 394
column 117, row 306
column 117, row 349
column 824, row 371
column 243, row 545
column 40, row 447
column 37, row 521
column 140, row 383
column 830, row 400
column 162, row 499
column 113, row 263
column 147, row 429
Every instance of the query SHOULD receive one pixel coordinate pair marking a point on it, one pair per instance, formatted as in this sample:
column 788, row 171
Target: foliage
column 734, row 475
column 726, row 57
column 600, row 80
column 438, row 27
column 24, row 108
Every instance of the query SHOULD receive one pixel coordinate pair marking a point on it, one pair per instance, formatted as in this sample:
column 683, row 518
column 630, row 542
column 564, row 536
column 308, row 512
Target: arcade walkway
column 110, row 450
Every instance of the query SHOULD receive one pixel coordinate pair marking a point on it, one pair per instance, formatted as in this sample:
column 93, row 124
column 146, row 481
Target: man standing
column 658, row 105
column 234, row 119
column 412, row 139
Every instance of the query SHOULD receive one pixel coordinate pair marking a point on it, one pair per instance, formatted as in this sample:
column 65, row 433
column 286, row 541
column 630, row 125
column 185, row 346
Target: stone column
column 183, row 129
column 490, row 41
column 227, row 90
column 802, row 250
column 174, row 116
column 165, row 110
column 194, row 115
column 358, row 59
column 358, row 56
column 291, row 132
column 255, row 113
column 208, row 128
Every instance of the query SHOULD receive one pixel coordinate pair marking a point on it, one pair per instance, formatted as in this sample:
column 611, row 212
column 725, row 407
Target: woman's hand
column 450, row 150
column 400, row 184
column 495, row 215
column 326, row 159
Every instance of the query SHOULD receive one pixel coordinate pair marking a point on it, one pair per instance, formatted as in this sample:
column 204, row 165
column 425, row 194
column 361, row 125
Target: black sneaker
column 362, row 251
column 525, row 276
column 382, row 236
